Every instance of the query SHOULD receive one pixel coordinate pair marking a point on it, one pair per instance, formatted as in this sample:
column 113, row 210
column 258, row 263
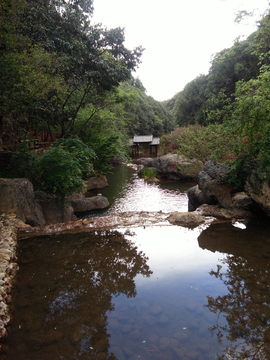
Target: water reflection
column 128, row 192
column 65, row 294
column 246, row 273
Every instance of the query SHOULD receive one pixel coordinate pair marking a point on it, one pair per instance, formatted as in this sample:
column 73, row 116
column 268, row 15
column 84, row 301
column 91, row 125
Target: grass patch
column 149, row 174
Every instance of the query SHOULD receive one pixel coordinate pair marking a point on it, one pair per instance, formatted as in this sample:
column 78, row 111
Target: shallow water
column 128, row 192
column 159, row 292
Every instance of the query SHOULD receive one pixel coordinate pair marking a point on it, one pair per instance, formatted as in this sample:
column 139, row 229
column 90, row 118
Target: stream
column 144, row 292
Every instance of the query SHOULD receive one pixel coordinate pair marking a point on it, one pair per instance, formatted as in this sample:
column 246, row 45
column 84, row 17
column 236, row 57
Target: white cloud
column 179, row 36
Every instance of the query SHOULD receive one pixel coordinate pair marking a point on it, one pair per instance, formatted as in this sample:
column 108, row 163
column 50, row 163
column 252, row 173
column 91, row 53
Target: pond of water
column 159, row 292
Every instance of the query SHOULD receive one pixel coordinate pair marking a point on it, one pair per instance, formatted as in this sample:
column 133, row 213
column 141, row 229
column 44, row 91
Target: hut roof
column 143, row 138
column 155, row 141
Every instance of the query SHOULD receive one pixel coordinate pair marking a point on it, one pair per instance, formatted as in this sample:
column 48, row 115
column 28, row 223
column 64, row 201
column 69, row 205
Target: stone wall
column 8, row 268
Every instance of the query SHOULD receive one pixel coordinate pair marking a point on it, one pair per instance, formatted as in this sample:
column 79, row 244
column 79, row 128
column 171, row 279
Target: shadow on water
column 245, row 271
column 149, row 292
column 65, row 291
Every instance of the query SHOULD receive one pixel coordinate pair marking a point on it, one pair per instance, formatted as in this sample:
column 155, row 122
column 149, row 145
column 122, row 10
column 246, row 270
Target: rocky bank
column 172, row 166
column 215, row 195
column 8, row 267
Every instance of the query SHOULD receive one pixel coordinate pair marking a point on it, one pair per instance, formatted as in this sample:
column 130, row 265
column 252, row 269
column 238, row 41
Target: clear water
column 128, row 192
column 159, row 292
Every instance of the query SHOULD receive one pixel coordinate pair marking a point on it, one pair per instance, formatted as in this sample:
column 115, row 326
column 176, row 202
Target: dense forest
column 68, row 82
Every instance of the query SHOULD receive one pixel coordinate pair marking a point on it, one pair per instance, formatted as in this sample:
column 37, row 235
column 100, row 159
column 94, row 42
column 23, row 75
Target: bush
column 58, row 171
column 149, row 174
column 169, row 143
column 85, row 156
column 205, row 143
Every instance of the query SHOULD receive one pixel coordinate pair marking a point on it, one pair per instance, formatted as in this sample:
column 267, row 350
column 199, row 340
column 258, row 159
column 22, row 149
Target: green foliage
column 142, row 114
column 84, row 155
column 53, row 62
column 206, row 94
column 202, row 142
column 169, row 143
column 24, row 163
column 190, row 107
column 149, row 174
column 250, row 124
column 58, row 171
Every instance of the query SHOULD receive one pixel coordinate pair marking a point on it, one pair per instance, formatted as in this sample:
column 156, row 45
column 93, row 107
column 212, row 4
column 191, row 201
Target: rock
column 17, row 196
column 214, row 195
column 97, row 182
column 173, row 166
column 8, row 266
column 220, row 212
column 54, row 211
column 21, row 224
column 186, row 219
column 213, row 182
column 259, row 191
column 242, row 201
column 80, row 203
column 196, row 198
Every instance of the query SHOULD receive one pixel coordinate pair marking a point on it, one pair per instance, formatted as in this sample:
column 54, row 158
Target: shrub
column 205, row 143
column 85, row 156
column 149, row 174
column 58, row 171
column 169, row 143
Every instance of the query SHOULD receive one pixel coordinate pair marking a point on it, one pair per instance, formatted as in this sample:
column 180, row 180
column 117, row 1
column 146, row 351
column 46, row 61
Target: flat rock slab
column 186, row 219
column 126, row 219
column 219, row 212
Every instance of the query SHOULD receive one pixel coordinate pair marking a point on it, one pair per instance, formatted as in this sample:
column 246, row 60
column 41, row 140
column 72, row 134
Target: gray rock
column 186, row 219
column 97, row 182
column 53, row 209
column 173, row 166
column 213, row 182
column 220, row 212
column 80, row 203
column 17, row 196
column 196, row 198
column 259, row 191
column 242, row 201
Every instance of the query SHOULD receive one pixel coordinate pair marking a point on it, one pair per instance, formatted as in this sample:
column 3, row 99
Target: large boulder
column 80, row 203
column 215, row 196
column 96, row 182
column 17, row 196
column 220, row 212
column 173, row 166
column 186, row 219
column 37, row 209
column 259, row 191
column 196, row 197
column 54, row 210
column 213, row 182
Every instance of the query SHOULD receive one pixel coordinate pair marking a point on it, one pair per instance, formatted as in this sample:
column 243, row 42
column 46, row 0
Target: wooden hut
column 144, row 146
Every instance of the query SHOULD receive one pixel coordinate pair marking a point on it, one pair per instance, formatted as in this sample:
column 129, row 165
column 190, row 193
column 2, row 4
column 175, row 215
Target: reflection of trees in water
column 86, row 271
column 246, row 274
column 245, row 307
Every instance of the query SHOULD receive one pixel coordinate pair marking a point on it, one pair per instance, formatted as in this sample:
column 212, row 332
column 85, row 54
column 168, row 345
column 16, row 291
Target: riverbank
column 8, row 268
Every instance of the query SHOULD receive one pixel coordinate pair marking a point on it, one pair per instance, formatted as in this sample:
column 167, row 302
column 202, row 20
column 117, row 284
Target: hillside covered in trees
column 68, row 82
column 225, row 114
column 64, row 78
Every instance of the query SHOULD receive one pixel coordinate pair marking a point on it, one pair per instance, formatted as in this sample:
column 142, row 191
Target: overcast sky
column 179, row 36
